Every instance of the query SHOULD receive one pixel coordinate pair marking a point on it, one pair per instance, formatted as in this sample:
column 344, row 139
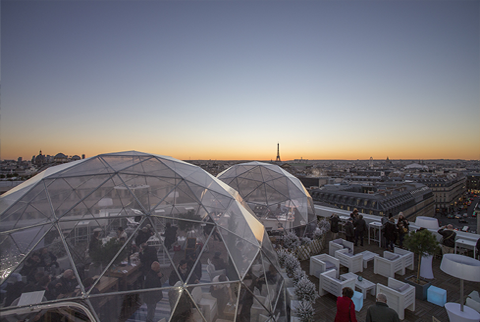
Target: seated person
column 65, row 285
column 218, row 262
column 30, row 267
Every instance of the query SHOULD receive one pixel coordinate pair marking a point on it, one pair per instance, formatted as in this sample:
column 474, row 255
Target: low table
column 364, row 285
column 367, row 256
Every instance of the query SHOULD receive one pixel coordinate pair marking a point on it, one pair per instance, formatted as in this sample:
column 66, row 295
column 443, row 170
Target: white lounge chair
column 400, row 296
column 212, row 272
column 338, row 244
column 473, row 301
column 329, row 283
column 322, row 263
column 347, row 259
column 389, row 264
column 407, row 257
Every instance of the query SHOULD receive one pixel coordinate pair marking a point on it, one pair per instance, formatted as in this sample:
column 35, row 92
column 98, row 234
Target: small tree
column 421, row 243
column 305, row 290
column 298, row 274
column 305, row 311
column 291, row 263
column 291, row 241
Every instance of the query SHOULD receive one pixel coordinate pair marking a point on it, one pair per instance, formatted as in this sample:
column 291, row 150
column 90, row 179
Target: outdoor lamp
column 463, row 267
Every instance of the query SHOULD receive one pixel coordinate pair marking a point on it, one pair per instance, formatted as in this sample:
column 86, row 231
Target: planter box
column 420, row 289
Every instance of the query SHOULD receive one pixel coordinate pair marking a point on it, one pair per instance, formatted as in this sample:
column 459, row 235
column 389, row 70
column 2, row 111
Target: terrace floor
column 325, row 306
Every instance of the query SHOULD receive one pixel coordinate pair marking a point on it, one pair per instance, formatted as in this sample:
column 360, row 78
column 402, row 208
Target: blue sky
column 231, row 79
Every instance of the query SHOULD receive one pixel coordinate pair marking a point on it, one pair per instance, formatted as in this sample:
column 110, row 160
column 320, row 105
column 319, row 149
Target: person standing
column 384, row 222
column 334, row 225
column 402, row 226
column 153, row 279
column 346, row 307
column 354, row 214
column 170, row 235
column 349, row 232
column 390, row 233
column 380, row 312
column 360, row 229
column 448, row 240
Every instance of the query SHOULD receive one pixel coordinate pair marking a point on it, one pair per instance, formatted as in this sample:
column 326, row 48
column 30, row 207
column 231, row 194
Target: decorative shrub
column 305, row 290
column 325, row 224
column 298, row 274
column 305, row 311
column 291, row 263
column 291, row 241
column 305, row 241
column 282, row 255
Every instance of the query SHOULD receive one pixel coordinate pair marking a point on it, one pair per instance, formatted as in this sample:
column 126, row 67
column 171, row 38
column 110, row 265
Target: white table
column 375, row 225
column 367, row 256
column 364, row 285
column 466, row 244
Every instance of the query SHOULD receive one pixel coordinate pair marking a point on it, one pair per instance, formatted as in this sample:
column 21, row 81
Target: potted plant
column 304, row 312
column 420, row 243
column 305, row 290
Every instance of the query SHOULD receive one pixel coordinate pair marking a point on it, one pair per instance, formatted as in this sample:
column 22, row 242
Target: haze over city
column 230, row 79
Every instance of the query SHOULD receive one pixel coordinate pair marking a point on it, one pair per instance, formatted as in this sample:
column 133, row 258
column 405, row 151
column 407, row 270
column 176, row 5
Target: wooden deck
column 325, row 306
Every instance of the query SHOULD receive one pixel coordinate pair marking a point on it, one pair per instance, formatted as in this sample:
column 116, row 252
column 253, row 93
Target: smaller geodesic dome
column 60, row 236
column 277, row 198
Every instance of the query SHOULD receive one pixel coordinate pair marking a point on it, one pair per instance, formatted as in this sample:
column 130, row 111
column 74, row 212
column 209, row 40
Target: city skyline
column 229, row 80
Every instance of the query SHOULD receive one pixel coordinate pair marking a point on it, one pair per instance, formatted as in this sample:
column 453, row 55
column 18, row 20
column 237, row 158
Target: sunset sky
column 231, row 79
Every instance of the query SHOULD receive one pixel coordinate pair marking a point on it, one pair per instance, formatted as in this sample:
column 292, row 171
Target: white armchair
column 206, row 302
column 473, row 301
column 322, row 263
column 347, row 259
column 329, row 283
column 338, row 244
column 259, row 307
column 400, row 296
column 407, row 257
column 389, row 264
column 212, row 272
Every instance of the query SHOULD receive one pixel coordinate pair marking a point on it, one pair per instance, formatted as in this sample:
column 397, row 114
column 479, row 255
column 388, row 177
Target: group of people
column 355, row 227
column 379, row 312
column 393, row 231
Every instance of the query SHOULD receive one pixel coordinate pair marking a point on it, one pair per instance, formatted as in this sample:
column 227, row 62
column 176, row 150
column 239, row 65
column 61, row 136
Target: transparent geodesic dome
column 278, row 199
column 60, row 236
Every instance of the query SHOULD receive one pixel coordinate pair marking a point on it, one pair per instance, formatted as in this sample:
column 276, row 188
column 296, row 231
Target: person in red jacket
column 345, row 307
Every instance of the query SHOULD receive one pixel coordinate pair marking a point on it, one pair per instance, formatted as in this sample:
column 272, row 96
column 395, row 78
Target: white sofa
column 389, row 264
column 407, row 257
column 322, row 263
column 347, row 259
column 206, row 302
column 338, row 244
column 329, row 283
column 400, row 296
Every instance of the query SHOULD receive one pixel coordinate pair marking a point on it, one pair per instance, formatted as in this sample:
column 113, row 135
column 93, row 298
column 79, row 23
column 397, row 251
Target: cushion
column 403, row 288
column 338, row 241
column 329, row 265
column 392, row 258
column 348, row 254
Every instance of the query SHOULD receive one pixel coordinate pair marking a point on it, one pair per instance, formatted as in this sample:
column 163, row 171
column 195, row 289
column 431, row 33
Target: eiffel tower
column 278, row 153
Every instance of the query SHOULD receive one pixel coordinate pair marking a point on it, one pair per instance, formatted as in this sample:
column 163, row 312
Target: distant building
column 413, row 199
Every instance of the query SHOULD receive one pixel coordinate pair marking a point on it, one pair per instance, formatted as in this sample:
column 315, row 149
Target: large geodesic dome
column 278, row 199
column 133, row 236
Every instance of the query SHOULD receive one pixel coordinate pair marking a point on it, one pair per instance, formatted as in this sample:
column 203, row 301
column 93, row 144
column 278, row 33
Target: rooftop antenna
column 278, row 153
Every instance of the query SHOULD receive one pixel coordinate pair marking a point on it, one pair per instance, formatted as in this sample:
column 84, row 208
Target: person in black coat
column 153, row 279
column 360, row 229
column 349, row 232
column 147, row 255
column 170, row 235
column 390, row 233
column 334, row 220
